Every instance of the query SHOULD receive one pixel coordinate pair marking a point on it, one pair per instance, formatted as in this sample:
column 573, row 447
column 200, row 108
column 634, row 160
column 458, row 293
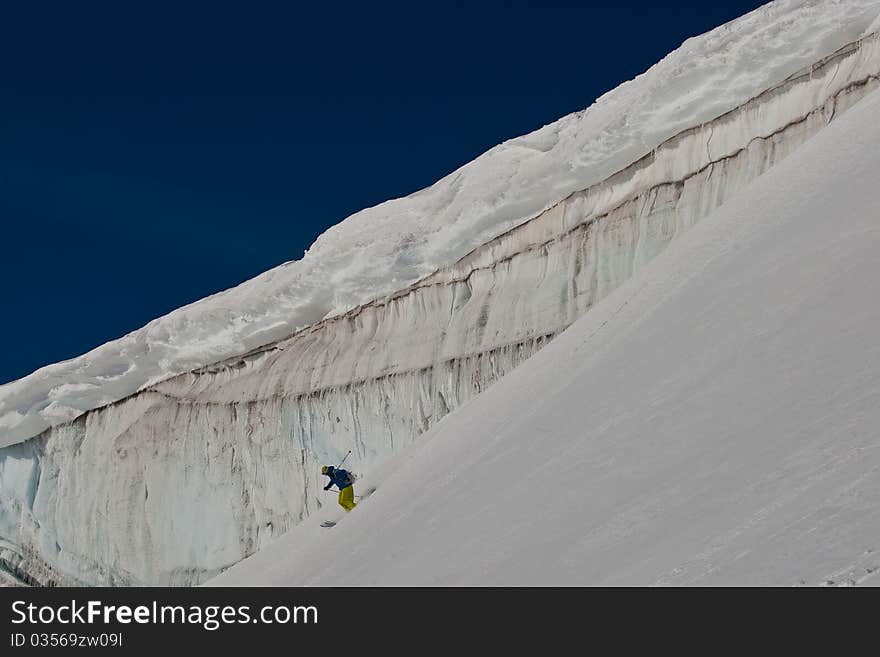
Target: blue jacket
column 340, row 478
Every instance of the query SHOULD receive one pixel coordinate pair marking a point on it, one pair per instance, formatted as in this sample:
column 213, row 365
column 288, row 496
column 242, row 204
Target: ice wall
column 379, row 250
column 180, row 480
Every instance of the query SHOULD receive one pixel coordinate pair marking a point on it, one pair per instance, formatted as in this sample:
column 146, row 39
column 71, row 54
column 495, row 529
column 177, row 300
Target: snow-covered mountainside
column 712, row 421
column 378, row 251
column 203, row 432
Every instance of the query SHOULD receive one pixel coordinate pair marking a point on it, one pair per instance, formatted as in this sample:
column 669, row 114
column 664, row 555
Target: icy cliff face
column 193, row 473
column 712, row 421
column 382, row 249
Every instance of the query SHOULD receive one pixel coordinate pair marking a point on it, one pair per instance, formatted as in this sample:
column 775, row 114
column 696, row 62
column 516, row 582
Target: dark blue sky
column 152, row 154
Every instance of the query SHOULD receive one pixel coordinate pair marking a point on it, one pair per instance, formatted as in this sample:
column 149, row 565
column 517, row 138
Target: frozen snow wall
column 189, row 476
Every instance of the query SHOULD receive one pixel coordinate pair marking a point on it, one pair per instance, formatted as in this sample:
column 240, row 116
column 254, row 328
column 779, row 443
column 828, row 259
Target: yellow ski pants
column 346, row 498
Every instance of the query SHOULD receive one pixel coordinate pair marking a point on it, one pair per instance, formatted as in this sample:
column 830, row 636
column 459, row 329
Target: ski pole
column 343, row 459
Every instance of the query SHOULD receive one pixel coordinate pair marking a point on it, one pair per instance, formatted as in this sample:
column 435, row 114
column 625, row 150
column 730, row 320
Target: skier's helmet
column 325, row 469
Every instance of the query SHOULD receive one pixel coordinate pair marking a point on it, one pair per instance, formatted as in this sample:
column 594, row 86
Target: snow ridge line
column 583, row 225
column 806, row 73
column 430, row 280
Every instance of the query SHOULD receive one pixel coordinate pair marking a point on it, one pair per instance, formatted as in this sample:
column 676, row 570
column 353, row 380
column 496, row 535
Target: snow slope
column 382, row 249
column 715, row 420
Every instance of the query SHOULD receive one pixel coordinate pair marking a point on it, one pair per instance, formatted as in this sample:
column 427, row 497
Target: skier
column 343, row 481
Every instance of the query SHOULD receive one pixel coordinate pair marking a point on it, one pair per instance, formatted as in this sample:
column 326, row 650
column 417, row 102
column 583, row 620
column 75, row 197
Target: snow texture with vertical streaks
column 382, row 249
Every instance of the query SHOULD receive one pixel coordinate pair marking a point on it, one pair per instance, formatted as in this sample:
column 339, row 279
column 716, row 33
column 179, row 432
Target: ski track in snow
column 382, row 249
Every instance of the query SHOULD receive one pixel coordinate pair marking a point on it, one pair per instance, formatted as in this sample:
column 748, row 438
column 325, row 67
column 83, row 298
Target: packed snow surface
column 713, row 421
column 382, row 249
